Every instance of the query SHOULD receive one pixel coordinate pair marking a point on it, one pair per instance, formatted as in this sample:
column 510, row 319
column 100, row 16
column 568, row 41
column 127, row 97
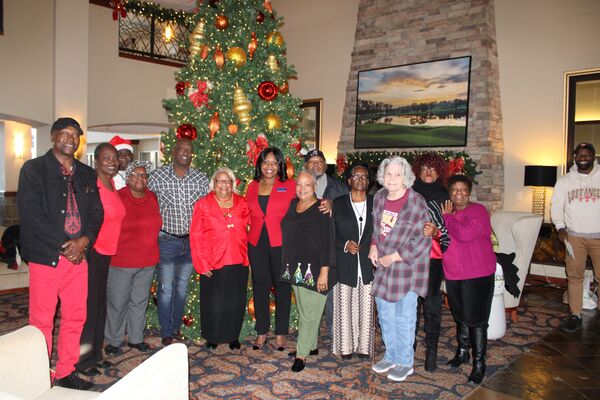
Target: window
column 583, row 110
column 149, row 39
column 151, row 156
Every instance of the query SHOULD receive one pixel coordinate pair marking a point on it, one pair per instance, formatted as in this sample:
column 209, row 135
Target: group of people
column 339, row 249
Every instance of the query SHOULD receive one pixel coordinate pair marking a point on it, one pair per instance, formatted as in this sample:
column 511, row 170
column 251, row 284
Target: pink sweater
column 470, row 254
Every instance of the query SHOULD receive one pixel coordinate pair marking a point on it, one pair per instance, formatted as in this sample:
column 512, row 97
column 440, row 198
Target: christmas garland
column 459, row 162
column 158, row 12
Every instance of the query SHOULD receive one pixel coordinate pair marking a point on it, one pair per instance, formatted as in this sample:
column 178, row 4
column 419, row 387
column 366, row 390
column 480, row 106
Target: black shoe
column 346, row 356
column 167, row 340
column 363, row 356
column 235, row 345
column 104, row 364
column 110, row 349
column 431, row 359
column 298, row 365
column 571, row 324
column 211, row 345
column 142, row 346
column 462, row 352
column 256, row 346
column 314, row 352
column 92, row 371
column 73, row 381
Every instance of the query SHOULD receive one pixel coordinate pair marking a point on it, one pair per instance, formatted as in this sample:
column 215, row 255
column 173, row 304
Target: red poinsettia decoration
column 341, row 163
column 254, row 147
column 118, row 8
column 455, row 166
column 200, row 97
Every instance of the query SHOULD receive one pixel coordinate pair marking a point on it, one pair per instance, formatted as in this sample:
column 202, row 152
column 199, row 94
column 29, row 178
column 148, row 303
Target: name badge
column 281, row 190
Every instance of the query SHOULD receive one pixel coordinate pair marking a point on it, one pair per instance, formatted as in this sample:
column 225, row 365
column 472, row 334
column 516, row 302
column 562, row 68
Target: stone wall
column 392, row 32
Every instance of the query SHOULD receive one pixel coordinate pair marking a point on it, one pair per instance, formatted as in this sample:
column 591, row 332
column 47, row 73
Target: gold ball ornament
column 275, row 38
column 232, row 129
column 273, row 122
column 237, row 55
column 222, row 22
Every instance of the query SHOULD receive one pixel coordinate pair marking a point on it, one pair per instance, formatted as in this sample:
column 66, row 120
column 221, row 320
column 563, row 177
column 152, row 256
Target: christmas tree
column 233, row 100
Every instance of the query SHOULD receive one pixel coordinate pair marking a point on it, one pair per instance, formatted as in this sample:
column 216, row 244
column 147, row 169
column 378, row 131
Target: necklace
column 360, row 215
column 226, row 210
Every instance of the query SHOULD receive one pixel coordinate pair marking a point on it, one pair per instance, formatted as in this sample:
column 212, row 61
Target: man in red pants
column 61, row 215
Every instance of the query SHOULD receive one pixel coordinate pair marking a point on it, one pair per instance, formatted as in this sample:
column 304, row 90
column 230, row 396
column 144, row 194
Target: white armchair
column 517, row 232
column 24, row 373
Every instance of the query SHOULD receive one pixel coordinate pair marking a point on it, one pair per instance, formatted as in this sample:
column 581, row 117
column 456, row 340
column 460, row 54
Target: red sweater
column 280, row 198
column 217, row 240
column 138, row 244
column 114, row 212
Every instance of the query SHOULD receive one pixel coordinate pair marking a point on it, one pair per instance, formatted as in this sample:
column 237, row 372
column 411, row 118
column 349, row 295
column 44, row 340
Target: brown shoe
column 167, row 341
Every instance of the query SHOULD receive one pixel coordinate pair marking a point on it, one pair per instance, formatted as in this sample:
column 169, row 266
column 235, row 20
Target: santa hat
column 121, row 144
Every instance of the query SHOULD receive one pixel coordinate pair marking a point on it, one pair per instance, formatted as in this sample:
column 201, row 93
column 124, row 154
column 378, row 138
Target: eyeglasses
column 357, row 177
column 142, row 175
column 223, row 181
column 428, row 169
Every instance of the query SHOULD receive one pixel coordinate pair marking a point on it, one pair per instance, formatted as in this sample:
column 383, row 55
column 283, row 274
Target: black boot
column 431, row 359
column 462, row 352
column 479, row 342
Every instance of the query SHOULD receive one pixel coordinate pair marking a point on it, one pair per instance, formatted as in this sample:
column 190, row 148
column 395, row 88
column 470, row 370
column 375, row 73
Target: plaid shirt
column 177, row 196
column 406, row 237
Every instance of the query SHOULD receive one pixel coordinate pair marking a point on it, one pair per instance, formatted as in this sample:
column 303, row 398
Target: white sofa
column 516, row 232
column 24, row 373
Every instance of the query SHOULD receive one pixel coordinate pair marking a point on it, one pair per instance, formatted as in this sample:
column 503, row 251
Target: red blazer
column 217, row 240
column 280, row 198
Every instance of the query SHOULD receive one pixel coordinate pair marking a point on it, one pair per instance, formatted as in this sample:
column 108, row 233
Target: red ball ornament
column 181, row 87
column 267, row 91
column 260, row 17
column 187, row 321
column 187, row 131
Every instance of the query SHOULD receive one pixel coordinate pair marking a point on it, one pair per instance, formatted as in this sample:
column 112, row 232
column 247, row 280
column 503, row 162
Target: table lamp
column 540, row 177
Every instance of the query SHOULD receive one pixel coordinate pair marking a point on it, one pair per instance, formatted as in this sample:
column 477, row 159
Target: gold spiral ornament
column 241, row 106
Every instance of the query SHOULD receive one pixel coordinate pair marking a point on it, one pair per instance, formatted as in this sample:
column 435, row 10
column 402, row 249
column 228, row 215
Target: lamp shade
column 540, row 175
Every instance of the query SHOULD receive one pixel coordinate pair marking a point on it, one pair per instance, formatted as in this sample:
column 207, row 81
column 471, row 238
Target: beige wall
column 538, row 41
column 26, row 70
column 14, row 131
column 122, row 90
column 319, row 36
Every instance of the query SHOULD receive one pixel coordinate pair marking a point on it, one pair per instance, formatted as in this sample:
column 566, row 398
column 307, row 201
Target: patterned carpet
column 265, row 374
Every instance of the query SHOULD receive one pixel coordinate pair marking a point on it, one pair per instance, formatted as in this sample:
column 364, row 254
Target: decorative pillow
column 510, row 272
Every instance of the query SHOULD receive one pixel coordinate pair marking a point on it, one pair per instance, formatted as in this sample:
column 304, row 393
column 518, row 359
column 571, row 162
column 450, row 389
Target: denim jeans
column 173, row 273
column 397, row 321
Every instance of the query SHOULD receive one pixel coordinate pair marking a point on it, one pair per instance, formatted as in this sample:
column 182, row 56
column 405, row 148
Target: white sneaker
column 400, row 373
column 383, row 366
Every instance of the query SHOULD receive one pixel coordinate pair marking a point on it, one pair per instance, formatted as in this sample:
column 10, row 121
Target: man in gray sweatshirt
column 575, row 212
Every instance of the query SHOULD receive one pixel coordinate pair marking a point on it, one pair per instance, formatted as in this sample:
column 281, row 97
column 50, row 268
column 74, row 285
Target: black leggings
column 471, row 300
column 432, row 304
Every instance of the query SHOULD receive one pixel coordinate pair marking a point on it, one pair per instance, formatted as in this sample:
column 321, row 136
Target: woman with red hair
column 431, row 172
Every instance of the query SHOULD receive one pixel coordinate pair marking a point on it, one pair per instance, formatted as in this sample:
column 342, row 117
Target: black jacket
column 42, row 204
column 346, row 228
column 334, row 189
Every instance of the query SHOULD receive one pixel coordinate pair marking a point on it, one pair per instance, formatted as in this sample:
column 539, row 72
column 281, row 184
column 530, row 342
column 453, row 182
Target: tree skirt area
column 265, row 374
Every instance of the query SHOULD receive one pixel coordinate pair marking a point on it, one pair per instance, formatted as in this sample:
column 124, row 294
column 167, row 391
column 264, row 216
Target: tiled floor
column 561, row 366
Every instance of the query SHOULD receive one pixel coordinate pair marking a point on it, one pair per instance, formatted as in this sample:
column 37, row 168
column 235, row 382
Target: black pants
column 471, row 300
column 223, row 303
column 92, row 336
column 432, row 304
column 265, row 262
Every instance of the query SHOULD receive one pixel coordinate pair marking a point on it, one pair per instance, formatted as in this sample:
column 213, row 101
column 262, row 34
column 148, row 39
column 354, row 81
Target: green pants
column 310, row 310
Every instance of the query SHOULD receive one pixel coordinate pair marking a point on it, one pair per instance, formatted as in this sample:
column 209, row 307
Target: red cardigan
column 280, row 198
column 217, row 240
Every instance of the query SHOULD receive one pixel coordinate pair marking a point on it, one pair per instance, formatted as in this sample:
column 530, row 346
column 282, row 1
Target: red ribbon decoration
column 253, row 148
column 118, row 8
column 455, row 166
column 297, row 146
column 200, row 97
